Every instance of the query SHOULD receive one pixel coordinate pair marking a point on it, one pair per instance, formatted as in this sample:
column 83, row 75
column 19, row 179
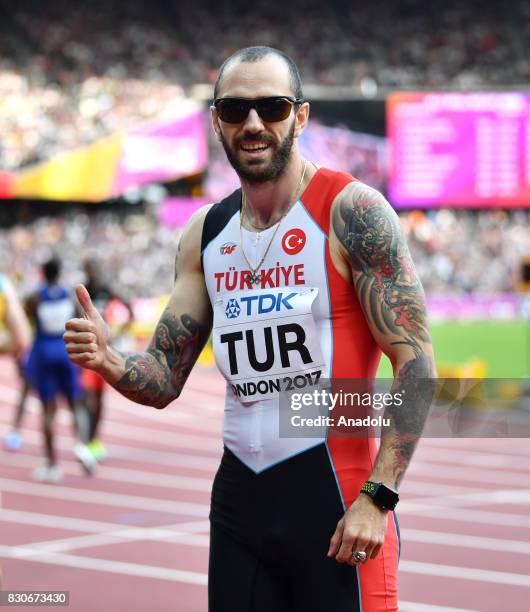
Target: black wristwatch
column 384, row 497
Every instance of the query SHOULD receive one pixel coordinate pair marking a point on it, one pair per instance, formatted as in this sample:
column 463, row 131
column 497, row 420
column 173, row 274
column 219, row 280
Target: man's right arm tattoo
column 157, row 376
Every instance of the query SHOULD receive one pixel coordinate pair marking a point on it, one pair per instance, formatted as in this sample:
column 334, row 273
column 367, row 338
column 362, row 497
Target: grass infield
column 498, row 349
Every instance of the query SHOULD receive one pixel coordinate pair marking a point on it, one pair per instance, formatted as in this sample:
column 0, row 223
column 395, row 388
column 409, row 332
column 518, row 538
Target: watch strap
column 369, row 488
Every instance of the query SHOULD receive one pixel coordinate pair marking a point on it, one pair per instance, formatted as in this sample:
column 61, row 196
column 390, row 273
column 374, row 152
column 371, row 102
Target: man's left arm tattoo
column 393, row 301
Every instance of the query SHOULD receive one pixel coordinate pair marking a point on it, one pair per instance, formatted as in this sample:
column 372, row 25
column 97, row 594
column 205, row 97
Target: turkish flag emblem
column 293, row 241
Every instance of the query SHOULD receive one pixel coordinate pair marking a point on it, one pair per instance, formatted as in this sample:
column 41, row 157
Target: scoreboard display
column 459, row 149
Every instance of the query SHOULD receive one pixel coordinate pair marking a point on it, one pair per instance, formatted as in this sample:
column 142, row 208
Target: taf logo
column 294, row 241
column 232, row 310
column 268, row 302
column 228, row 248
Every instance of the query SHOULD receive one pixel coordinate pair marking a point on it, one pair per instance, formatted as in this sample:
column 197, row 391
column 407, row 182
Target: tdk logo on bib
column 266, row 303
column 259, row 304
column 232, row 309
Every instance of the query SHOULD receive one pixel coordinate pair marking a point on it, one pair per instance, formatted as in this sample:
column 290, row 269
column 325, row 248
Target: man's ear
column 215, row 123
column 301, row 119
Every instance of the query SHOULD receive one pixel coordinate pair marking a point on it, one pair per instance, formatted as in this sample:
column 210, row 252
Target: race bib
column 266, row 342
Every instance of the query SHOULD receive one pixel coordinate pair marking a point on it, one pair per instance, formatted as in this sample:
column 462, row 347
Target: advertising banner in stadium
column 474, row 307
column 162, row 152
column 459, row 149
column 105, row 169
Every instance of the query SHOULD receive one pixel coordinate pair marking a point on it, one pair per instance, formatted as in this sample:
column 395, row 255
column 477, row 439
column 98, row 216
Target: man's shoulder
column 332, row 185
column 194, row 226
column 191, row 238
column 218, row 216
column 356, row 193
column 232, row 201
column 228, row 205
column 335, row 175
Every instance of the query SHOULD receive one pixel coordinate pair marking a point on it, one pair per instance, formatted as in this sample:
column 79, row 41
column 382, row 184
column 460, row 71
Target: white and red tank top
column 302, row 321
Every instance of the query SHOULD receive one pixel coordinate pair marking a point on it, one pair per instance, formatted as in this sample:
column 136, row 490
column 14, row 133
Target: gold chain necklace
column 256, row 278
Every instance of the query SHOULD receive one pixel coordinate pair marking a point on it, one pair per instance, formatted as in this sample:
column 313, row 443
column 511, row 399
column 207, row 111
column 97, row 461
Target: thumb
column 336, row 539
column 86, row 303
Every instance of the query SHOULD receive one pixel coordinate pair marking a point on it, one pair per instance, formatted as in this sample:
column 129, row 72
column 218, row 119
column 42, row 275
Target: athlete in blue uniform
column 49, row 367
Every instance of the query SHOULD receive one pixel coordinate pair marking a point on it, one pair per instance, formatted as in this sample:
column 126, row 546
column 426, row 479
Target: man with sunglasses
column 302, row 274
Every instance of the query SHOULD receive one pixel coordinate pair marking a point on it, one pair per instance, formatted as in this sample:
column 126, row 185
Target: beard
column 248, row 171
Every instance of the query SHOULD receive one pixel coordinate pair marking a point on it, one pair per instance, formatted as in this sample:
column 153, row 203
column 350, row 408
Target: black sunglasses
column 274, row 108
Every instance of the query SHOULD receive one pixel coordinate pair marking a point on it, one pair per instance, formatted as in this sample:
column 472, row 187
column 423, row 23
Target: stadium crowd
column 462, row 252
column 97, row 67
column 456, row 252
column 137, row 252
column 74, row 72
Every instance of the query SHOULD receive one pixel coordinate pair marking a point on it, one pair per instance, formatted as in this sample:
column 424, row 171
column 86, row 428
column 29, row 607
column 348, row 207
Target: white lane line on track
column 169, row 531
column 485, row 517
column 426, row 489
column 132, row 453
column 214, row 444
column 474, row 498
column 177, row 418
column 107, row 473
column 190, row 538
column 419, row 468
column 511, row 447
column 54, row 521
column 137, row 432
column 204, row 415
column 411, row 606
column 426, row 508
column 186, row 416
column 432, row 494
column 465, row 458
column 469, row 474
column 208, row 444
column 119, row 537
column 103, row 565
column 441, row 571
column 464, row 573
column 461, row 540
column 103, row 498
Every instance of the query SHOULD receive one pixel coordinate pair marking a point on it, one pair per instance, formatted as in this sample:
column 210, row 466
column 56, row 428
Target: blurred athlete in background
column 50, row 369
column 93, row 384
column 15, row 339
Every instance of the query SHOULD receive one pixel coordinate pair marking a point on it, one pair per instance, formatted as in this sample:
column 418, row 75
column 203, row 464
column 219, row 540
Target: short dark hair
column 255, row 54
column 51, row 269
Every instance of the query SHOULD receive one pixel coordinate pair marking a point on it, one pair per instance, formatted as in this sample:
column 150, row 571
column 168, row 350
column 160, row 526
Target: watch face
column 386, row 497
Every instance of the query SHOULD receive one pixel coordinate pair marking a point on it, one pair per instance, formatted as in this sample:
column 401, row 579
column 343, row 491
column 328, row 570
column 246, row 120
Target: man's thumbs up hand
column 86, row 303
column 86, row 339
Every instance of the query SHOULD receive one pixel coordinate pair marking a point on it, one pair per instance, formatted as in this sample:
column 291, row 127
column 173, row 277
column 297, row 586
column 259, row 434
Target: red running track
column 135, row 536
